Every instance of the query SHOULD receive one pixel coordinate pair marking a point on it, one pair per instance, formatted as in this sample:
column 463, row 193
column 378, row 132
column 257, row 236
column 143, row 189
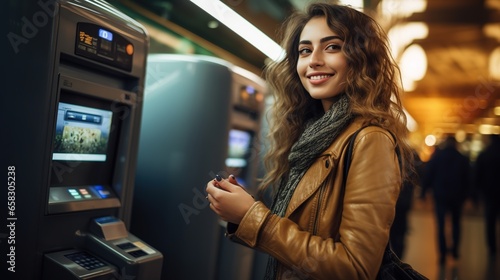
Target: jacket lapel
column 319, row 170
column 311, row 181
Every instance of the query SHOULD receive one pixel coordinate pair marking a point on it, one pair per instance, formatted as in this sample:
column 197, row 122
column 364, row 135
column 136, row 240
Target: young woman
column 337, row 76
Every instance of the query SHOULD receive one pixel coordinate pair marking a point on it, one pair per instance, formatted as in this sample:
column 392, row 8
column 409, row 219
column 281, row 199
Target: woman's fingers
column 228, row 200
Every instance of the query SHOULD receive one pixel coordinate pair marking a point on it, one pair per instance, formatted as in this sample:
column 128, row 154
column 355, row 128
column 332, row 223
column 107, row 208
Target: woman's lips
column 318, row 79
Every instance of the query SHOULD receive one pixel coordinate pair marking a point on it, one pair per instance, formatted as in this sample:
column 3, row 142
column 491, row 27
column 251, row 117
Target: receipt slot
column 111, row 253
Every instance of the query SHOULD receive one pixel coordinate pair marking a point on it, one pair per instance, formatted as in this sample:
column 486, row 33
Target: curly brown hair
column 373, row 84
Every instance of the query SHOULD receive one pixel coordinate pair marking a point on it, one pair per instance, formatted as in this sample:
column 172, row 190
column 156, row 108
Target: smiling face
column 321, row 66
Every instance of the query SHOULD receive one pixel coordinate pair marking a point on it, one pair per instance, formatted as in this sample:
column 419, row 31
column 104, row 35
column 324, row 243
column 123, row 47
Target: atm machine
column 73, row 105
column 244, row 161
column 201, row 118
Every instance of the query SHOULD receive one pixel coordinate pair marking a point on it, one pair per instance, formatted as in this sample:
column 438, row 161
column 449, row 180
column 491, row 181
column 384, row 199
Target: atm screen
column 238, row 147
column 85, row 141
column 82, row 133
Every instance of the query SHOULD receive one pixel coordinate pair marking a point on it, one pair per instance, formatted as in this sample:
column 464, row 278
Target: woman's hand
column 228, row 199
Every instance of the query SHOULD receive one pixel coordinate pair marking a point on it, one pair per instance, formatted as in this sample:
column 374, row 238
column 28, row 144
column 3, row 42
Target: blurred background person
column 447, row 173
column 487, row 182
column 404, row 204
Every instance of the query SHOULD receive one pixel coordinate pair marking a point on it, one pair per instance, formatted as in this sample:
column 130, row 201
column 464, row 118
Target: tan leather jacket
column 312, row 241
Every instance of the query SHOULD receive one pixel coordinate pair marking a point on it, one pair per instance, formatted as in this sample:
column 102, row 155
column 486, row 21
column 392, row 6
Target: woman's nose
column 316, row 59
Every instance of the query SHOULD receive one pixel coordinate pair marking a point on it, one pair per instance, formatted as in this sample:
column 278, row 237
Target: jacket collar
column 317, row 173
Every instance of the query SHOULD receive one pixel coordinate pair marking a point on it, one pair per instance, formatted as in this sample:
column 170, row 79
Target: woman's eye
column 334, row 47
column 304, row 51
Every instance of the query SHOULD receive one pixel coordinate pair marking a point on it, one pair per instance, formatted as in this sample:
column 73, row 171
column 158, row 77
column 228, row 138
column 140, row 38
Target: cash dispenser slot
column 109, row 238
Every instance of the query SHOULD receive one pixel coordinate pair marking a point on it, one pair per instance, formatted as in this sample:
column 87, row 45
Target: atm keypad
column 85, row 260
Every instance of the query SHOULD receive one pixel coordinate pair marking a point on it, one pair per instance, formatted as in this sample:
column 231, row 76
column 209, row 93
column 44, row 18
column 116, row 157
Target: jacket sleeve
column 370, row 197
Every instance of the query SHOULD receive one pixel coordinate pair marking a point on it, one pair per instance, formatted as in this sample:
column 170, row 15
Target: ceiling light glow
column 494, row 64
column 430, row 140
column 357, row 4
column 403, row 8
column 242, row 27
column 413, row 65
column 414, row 62
column 401, row 35
column 487, row 129
column 496, row 111
column 213, row 24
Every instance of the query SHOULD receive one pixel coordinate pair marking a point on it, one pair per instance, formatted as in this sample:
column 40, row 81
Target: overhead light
column 492, row 30
column 357, row 4
column 494, row 4
column 401, row 35
column 487, row 129
column 430, row 140
column 213, row 24
column 494, row 64
column 242, row 27
column 302, row 4
column 413, row 63
column 496, row 111
column 403, row 9
column 460, row 135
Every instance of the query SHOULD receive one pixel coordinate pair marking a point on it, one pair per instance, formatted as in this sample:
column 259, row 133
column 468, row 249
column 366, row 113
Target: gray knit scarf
column 318, row 135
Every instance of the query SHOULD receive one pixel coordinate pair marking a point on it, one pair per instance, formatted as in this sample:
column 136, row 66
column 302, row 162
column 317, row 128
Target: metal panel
column 183, row 144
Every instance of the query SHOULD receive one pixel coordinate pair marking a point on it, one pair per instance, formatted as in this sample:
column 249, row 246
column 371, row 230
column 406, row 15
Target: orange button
column 130, row 49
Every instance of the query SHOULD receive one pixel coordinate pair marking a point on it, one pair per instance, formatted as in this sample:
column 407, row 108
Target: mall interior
column 117, row 113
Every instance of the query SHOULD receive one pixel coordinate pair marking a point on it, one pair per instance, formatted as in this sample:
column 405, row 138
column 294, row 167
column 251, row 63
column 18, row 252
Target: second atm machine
column 74, row 105
column 201, row 118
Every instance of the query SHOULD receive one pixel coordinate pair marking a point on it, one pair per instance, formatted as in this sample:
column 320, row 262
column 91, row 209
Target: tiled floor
column 421, row 250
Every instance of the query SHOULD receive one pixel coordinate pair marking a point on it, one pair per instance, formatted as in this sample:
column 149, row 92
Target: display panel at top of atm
column 106, row 35
column 104, row 45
